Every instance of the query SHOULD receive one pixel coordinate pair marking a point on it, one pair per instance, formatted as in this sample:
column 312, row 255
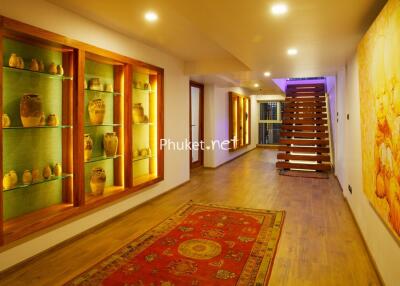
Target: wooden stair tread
column 304, row 115
column 305, row 85
column 305, row 142
column 297, row 95
column 304, row 121
column 309, row 135
column 316, row 167
column 310, row 109
column 304, row 127
column 316, row 158
column 306, row 99
column 322, row 150
column 304, row 104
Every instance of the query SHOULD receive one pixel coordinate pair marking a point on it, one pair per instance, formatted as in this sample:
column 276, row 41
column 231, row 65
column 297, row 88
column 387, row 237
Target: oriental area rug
column 199, row 245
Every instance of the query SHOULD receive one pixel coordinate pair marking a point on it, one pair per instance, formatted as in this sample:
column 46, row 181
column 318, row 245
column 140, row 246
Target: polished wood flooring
column 320, row 243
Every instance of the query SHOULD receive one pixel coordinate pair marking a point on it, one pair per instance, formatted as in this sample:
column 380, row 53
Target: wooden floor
column 320, row 243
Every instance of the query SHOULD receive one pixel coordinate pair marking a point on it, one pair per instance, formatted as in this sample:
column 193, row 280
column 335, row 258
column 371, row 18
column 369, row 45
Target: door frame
column 200, row 162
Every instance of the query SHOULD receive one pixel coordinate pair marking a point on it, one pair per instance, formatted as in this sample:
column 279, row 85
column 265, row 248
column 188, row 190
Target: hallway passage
column 320, row 242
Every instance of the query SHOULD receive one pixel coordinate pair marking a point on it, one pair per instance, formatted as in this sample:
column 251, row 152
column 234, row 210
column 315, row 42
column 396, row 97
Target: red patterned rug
column 199, row 245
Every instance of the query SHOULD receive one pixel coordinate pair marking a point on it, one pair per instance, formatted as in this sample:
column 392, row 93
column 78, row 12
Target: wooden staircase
column 305, row 131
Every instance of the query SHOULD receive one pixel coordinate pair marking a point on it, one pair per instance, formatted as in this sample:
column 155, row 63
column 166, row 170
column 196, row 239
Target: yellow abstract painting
column 379, row 81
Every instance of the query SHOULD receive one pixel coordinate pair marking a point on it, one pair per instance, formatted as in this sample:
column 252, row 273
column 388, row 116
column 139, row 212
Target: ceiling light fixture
column 256, row 85
column 292, row 52
column 279, row 9
column 151, row 16
column 267, row 74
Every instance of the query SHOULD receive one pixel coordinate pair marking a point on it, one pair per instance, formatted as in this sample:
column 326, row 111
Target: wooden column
column 119, row 119
column 1, row 134
column 127, row 102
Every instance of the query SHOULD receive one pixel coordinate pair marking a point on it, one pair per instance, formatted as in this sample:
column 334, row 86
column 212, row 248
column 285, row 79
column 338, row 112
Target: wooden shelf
column 35, row 73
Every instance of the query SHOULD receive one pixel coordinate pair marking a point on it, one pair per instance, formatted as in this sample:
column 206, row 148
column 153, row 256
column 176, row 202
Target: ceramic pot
column 97, row 181
column 27, row 177
column 30, row 110
column 14, row 178
column 41, row 66
column 47, row 172
column 13, row 61
column 88, row 147
column 94, row 84
column 7, row 181
column 20, row 63
column 110, row 144
column 57, row 170
column 143, row 152
column 97, row 110
column 60, row 70
column 137, row 113
column 6, row 121
column 108, row 87
column 42, row 121
column 35, row 175
column 34, row 65
column 52, row 68
column 52, row 120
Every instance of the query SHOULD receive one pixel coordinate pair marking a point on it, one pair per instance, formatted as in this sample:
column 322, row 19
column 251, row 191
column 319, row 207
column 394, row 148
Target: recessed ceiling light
column 256, row 85
column 292, row 52
column 151, row 16
column 279, row 9
column 267, row 74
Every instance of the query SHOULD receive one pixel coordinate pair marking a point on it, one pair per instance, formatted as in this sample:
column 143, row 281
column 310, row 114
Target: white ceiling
column 239, row 39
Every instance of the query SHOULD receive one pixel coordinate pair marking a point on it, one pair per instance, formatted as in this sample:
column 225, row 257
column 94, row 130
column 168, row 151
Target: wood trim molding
column 200, row 162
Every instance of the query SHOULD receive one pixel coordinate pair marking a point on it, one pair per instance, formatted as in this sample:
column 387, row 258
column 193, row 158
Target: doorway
column 196, row 99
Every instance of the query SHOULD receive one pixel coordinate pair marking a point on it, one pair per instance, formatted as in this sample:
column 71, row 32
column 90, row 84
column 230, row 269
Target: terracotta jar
column 97, row 110
column 30, row 110
column 108, row 87
column 27, row 177
column 98, row 181
column 41, row 66
column 137, row 113
column 57, row 170
column 13, row 61
column 52, row 120
column 110, row 144
column 88, row 147
column 34, row 65
column 53, row 68
column 36, row 175
column 47, row 172
column 6, row 121
column 7, row 181
column 14, row 178
column 60, row 70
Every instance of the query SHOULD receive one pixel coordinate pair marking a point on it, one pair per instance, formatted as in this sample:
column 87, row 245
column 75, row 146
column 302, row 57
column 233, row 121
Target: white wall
column 216, row 124
column 383, row 247
column 47, row 16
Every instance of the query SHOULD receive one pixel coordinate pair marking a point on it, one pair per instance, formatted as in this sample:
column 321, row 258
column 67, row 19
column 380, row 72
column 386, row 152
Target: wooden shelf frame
column 75, row 201
column 239, row 121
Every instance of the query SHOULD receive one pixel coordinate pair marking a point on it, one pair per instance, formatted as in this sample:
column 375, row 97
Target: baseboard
column 230, row 160
column 364, row 241
column 15, row 267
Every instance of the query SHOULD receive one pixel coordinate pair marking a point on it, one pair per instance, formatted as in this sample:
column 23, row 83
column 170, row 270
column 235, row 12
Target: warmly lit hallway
column 320, row 243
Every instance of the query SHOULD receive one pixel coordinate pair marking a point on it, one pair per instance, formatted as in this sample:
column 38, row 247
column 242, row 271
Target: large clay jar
column 47, row 172
column 6, row 121
column 88, row 147
column 13, row 61
column 110, row 144
column 137, row 113
column 30, row 110
column 97, row 181
column 97, row 110
column 14, row 178
column 53, row 68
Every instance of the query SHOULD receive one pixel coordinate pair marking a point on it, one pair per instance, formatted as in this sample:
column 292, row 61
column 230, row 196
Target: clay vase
column 21, row 64
column 94, row 84
column 97, row 110
column 13, row 61
column 60, row 70
column 30, row 110
column 108, row 87
column 97, row 181
column 27, row 177
column 110, row 144
column 7, row 181
column 6, row 121
column 57, row 170
column 14, row 178
column 42, row 121
column 137, row 113
column 35, row 175
column 47, row 172
column 88, row 147
column 34, row 65
column 41, row 66
column 52, row 120
column 143, row 153
column 52, row 68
